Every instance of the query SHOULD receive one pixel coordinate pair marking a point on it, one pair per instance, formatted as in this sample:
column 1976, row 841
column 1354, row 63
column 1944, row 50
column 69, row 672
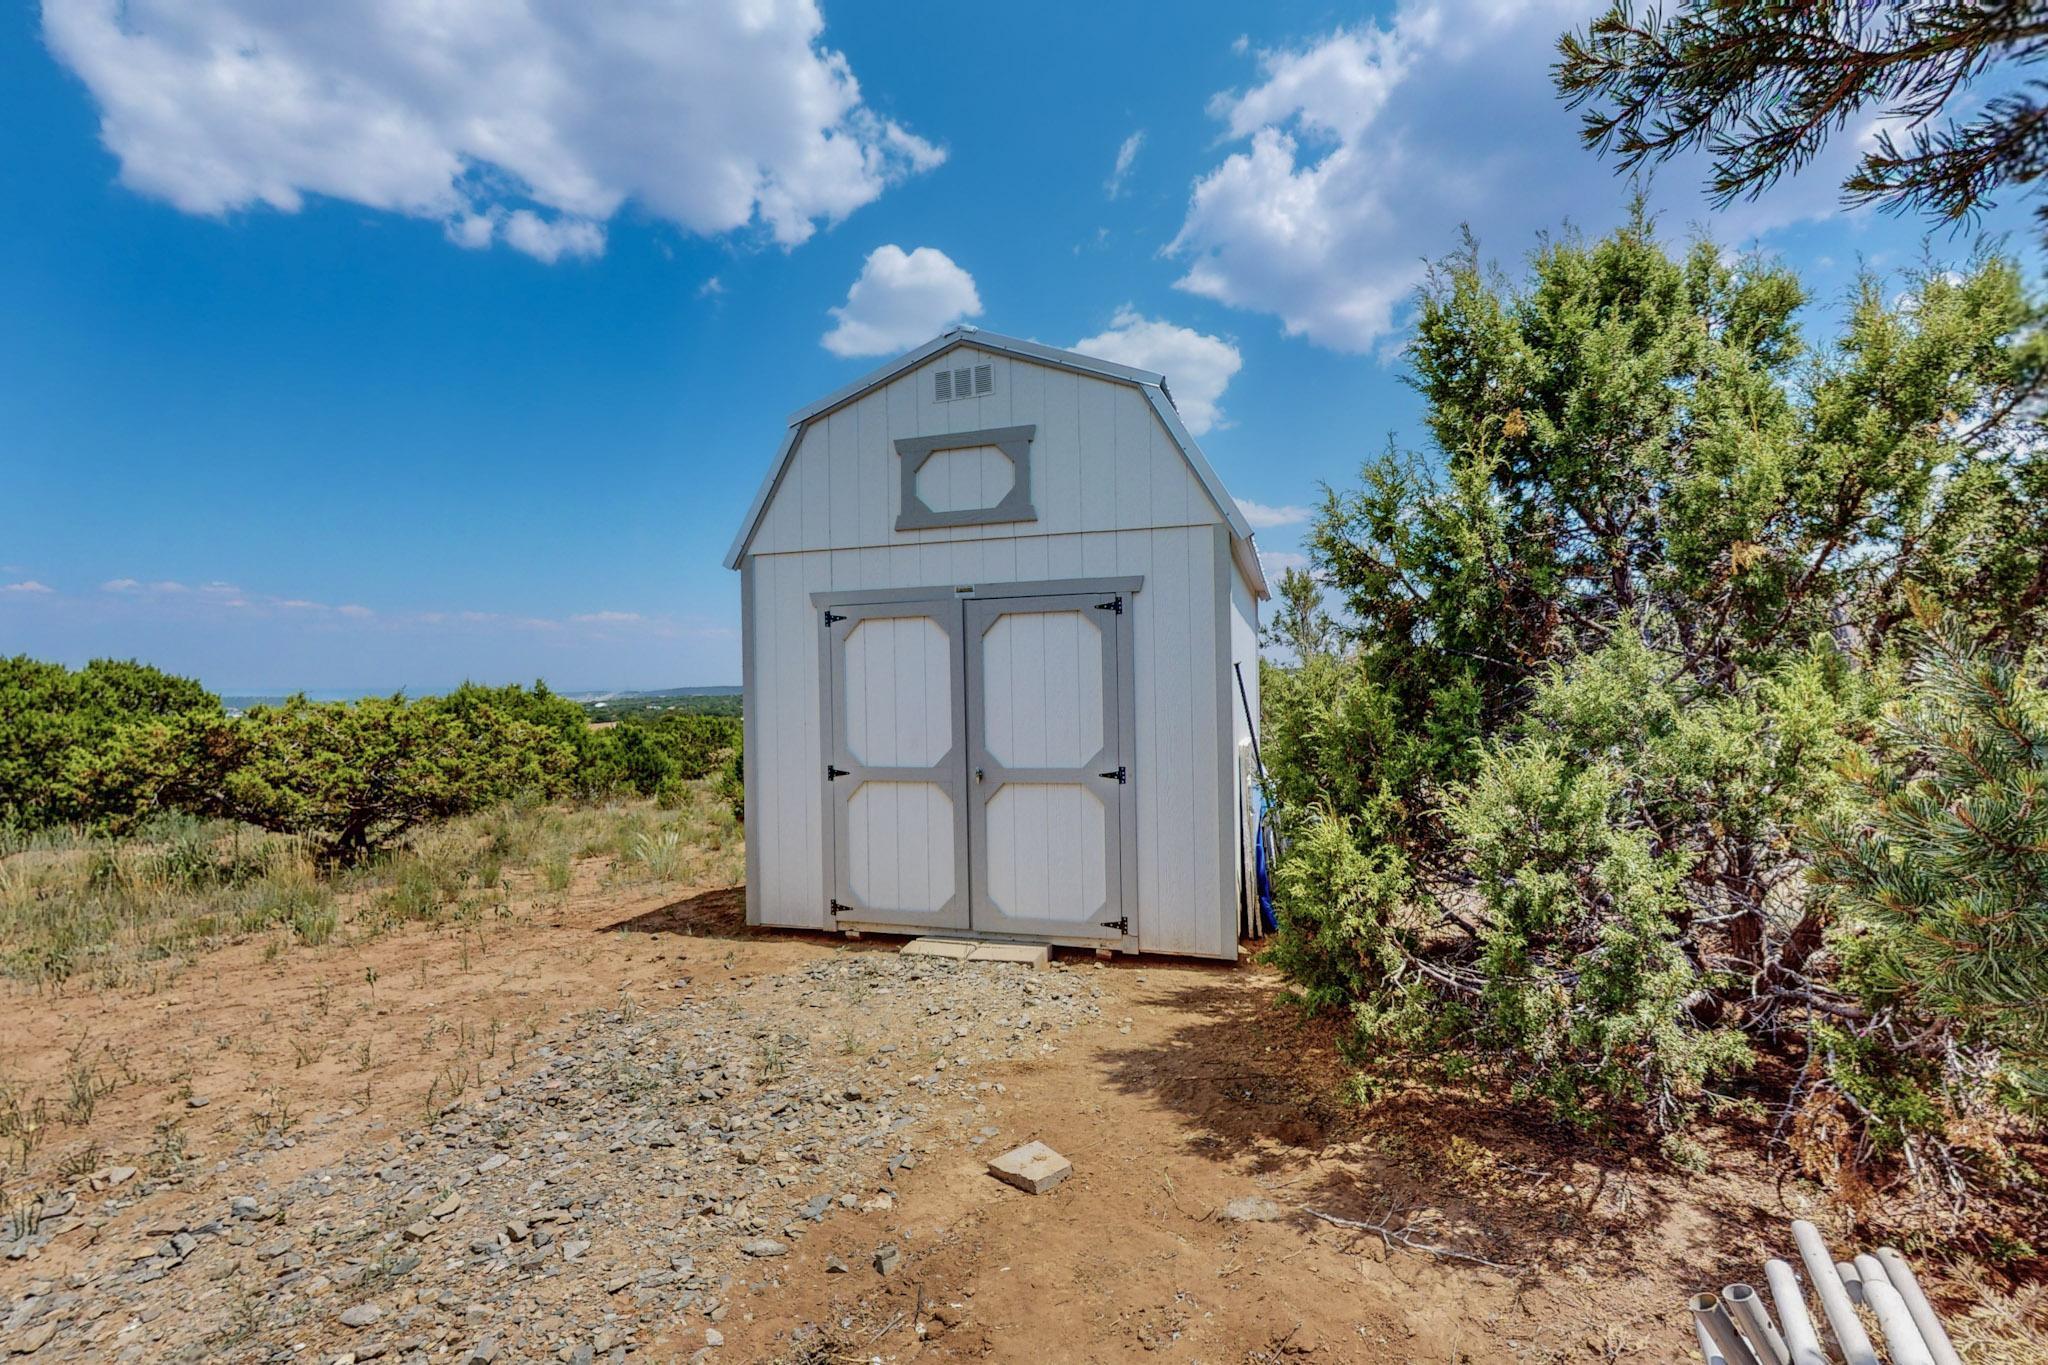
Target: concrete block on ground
column 938, row 947
column 1033, row 1168
column 1034, row 955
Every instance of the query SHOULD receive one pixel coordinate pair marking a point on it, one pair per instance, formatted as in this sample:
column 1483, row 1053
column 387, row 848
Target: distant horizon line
column 355, row 693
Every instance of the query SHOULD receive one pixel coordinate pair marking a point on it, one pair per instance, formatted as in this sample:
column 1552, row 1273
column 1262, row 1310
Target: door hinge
column 1120, row 774
column 831, row 616
column 1122, row 924
column 1115, row 604
column 838, row 908
column 833, row 774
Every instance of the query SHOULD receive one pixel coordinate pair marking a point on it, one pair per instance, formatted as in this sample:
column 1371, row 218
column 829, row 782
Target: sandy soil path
column 1204, row 1122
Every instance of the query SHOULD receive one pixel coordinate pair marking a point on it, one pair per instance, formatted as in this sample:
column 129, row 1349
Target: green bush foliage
column 113, row 746
column 731, row 782
column 1557, row 697
column 62, row 729
column 644, row 753
column 355, row 777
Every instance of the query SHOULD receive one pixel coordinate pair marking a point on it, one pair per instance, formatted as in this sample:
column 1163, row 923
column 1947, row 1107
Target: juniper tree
column 1662, row 553
column 354, row 776
column 59, row 725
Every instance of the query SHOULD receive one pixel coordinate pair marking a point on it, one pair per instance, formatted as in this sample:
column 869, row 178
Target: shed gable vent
column 964, row 382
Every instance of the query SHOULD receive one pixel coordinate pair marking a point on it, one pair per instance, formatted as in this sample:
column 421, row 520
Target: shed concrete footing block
column 955, row 948
column 1033, row 955
column 1033, row 1168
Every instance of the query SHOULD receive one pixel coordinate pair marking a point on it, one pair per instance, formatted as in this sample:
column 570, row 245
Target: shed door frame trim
column 1043, row 587
column 1109, row 787
column 1127, row 713
column 948, row 772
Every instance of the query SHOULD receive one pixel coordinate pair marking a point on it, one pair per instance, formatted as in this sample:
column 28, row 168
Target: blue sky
column 377, row 345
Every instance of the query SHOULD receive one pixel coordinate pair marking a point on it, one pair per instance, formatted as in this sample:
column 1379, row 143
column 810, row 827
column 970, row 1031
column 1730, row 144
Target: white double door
column 976, row 771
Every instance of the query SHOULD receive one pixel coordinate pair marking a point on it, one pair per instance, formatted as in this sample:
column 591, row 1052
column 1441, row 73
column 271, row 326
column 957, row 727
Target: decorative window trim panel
column 1013, row 442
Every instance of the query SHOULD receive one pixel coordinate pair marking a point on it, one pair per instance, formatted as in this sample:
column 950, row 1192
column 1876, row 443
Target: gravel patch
column 648, row 1166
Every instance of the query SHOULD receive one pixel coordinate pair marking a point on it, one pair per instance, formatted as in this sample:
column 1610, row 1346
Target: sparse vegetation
column 128, row 912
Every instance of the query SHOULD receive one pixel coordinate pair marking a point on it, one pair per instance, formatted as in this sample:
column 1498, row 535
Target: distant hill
column 716, row 701
column 659, row 694
column 709, row 701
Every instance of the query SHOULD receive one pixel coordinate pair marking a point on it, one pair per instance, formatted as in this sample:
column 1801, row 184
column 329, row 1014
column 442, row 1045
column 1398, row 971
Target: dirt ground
column 1211, row 1145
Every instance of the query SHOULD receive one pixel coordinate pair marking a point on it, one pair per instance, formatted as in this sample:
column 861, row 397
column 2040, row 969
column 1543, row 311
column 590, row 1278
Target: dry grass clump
column 127, row 913
column 1997, row 1328
column 120, row 912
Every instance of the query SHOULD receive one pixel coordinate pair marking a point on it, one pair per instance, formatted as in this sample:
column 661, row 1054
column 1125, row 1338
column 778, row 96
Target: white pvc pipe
column 1711, row 1318
column 1800, row 1338
column 1709, row 1352
column 1747, row 1308
column 1852, row 1280
column 1834, row 1299
column 1924, row 1317
column 1901, row 1336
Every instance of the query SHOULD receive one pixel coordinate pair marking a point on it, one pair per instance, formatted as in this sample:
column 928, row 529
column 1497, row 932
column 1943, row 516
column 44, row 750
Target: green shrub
column 627, row 758
column 64, row 757
column 1546, row 714
column 731, row 784
column 1341, row 912
column 353, row 777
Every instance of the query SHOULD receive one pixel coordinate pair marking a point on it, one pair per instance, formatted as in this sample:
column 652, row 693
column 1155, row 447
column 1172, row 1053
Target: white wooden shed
column 996, row 608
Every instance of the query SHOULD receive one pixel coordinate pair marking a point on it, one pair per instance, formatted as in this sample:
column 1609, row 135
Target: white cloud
column 214, row 601
column 1126, row 157
column 1366, row 148
column 713, row 116
column 901, row 299
column 550, row 239
column 1267, row 518
column 1277, row 562
column 1197, row 366
column 27, row 587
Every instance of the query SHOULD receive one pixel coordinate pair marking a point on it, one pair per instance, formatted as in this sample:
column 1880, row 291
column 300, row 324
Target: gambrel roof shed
column 1000, row 642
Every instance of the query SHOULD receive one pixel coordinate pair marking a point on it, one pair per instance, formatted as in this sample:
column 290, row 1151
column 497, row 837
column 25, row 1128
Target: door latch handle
column 979, row 775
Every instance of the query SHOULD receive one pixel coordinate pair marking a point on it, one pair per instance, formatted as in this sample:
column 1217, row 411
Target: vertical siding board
column 750, row 732
column 875, row 495
column 1172, row 699
column 1094, row 458
column 814, row 487
column 1034, row 557
column 1056, row 452
column 1132, row 423
column 1173, row 489
column 1209, row 565
column 1130, row 554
